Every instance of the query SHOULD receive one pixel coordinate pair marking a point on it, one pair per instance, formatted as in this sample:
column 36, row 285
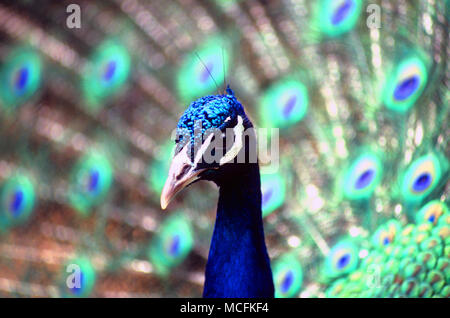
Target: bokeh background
column 358, row 207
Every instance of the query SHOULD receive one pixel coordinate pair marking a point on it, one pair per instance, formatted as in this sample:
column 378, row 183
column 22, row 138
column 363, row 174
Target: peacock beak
column 182, row 173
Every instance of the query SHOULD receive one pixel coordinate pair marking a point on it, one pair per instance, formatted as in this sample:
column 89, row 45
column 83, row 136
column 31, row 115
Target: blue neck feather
column 238, row 264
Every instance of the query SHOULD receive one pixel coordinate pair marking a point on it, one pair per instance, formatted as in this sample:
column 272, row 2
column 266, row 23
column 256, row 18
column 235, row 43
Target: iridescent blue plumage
column 238, row 263
column 212, row 111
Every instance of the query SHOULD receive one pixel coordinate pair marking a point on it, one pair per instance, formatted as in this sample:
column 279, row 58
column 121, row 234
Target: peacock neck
column 238, row 263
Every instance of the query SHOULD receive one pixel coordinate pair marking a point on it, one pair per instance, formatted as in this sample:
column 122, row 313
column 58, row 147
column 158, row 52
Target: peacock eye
column 229, row 122
column 406, row 87
column 16, row 202
column 335, row 17
column 286, row 281
column 107, row 71
column 273, row 192
column 91, row 179
column 431, row 212
column 363, row 176
column 386, row 234
column 83, row 277
column 421, row 177
column 204, row 69
column 284, row 103
column 288, row 276
column 172, row 243
column 405, row 84
column 341, row 11
column 20, row 77
column 17, row 199
column 342, row 259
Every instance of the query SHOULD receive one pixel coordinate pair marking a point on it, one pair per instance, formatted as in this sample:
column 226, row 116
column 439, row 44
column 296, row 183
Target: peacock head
column 215, row 140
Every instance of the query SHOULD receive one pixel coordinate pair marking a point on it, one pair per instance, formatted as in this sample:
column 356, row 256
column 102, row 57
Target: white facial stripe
column 237, row 146
column 202, row 149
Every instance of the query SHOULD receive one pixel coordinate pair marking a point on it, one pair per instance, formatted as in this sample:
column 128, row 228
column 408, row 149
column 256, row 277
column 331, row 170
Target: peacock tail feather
column 354, row 202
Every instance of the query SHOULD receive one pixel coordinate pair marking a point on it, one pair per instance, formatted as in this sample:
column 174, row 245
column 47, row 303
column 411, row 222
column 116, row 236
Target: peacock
column 324, row 124
column 238, row 263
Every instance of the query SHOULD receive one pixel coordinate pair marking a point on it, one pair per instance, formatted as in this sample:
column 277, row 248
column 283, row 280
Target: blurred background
column 360, row 93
